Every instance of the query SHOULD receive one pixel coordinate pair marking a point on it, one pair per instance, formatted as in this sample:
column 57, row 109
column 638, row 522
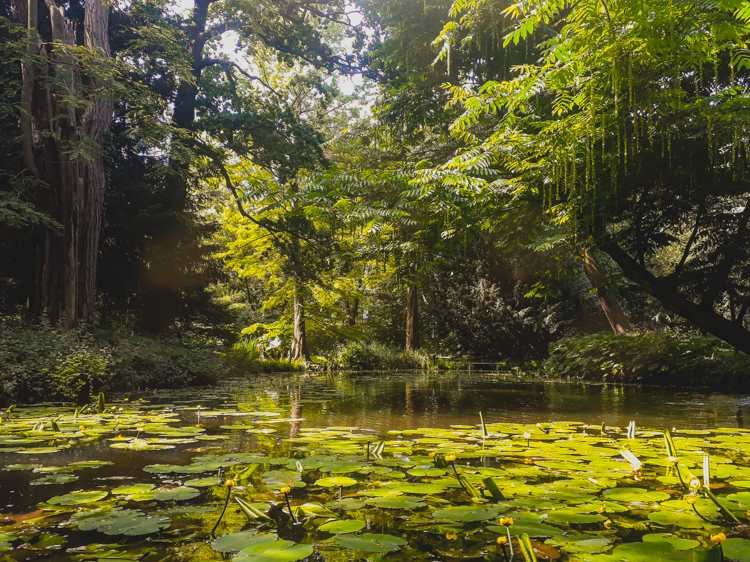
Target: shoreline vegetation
column 42, row 362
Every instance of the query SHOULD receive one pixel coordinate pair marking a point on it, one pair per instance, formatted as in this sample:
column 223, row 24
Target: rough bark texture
column 69, row 160
column 412, row 318
column 299, row 340
column 352, row 310
column 704, row 318
column 611, row 306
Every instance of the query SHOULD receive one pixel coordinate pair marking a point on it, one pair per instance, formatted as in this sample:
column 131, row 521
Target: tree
column 629, row 132
column 64, row 115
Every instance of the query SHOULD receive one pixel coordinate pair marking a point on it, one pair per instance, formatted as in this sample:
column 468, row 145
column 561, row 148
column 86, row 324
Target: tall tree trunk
column 299, row 339
column 412, row 318
column 352, row 310
column 67, row 153
column 611, row 306
column 703, row 317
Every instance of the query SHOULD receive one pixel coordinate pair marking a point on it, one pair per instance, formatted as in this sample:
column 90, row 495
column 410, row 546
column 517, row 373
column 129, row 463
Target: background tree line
column 508, row 174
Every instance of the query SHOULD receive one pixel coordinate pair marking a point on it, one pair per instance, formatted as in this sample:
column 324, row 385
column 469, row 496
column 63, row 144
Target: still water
column 373, row 403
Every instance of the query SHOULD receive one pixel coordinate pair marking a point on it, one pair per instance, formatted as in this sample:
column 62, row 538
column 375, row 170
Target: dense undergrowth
column 368, row 356
column 661, row 358
column 42, row 363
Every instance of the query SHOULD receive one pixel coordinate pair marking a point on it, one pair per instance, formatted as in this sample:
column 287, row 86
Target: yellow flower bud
column 432, row 455
column 450, row 536
column 607, row 524
column 286, row 490
column 720, row 538
column 450, row 458
column 502, row 540
column 230, row 483
column 506, row 521
column 691, row 500
column 602, row 508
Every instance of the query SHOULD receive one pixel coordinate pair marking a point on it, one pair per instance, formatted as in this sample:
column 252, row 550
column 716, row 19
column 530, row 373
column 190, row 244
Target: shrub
column 656, row 358
column 42, row 363
column 362, row 356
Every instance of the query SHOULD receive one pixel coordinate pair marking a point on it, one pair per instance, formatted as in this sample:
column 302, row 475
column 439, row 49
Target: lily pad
column 78, row 498
column 347, row 526
column 234, row 542
column 370, row 542
column 276, row 551
column 336, row 481
column 467, row 513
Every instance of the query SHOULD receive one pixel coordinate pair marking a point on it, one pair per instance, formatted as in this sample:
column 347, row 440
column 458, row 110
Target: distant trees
column 629, row 135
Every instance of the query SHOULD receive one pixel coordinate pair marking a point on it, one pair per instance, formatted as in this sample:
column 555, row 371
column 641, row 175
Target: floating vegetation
column 494, row 491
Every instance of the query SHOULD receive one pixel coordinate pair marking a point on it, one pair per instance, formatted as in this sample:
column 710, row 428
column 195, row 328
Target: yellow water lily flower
column 286, row 490
column 720, row 538
column 506, row 521
column 502, row 540
column 450, row 536
column 450, row 458
column 691, row 500
column 602, row 508
column 230, row 483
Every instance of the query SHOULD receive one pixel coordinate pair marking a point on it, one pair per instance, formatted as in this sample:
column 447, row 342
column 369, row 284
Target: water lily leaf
column 347, row 504
column 336, row 481
column 531, row 528
column 395, row 502
column 426, row 472
column 676, row 542
column 370, row 542
column 234, row 542
column 78, row 498
column 467, row 513
column 176, row 494
column 276, row 551
column 6, row 542
column 573, row 516
column 347, row 526
column 54, row 479
column 133, row 489
column 635, row 495
column 738, row 549
column 120, row 521
column 202, row 482
column 576, row 545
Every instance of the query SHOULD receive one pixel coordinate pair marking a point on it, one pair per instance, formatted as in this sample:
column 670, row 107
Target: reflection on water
column 384, row 401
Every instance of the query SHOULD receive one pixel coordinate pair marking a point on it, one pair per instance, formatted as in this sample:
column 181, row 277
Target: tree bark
column 69, row 160
column 299, row 339
column 609, row 302
column 352, row 310
column 412, row 318
column 703, row 317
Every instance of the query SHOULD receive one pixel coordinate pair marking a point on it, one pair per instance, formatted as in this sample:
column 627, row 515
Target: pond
column 392, row 466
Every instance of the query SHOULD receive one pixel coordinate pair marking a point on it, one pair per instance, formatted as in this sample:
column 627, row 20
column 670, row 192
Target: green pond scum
column 129, row 480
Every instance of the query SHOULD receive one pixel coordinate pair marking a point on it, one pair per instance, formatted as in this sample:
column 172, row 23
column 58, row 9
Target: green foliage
column 660, row 358
column 362, row 356
column 247, row 358
column 43, row 363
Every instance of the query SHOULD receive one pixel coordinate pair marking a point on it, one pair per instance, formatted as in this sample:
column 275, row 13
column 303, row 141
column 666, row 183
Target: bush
column 361, row 356
column 246, row 357
column 655, row 358
column 42, row 363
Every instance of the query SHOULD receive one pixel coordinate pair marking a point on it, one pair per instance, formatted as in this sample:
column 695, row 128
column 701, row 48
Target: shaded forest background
column 503, row 176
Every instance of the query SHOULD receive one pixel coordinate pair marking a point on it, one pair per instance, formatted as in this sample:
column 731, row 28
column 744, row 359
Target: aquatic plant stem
column 679, row 475
column 221, row 516
column 289, row 507
column 724, row 511
column 699, row 515
column 505, row 554
column 510, row 543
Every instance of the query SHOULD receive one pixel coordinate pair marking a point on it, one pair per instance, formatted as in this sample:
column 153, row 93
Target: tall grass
column 363, row 356
column 246, row 357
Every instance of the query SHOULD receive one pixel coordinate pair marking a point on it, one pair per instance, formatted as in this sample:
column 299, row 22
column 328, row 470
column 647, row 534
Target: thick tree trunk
column 69, row 159
column 299, row 339
column 412, row 318
column 611, row 306
column 704, row 318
